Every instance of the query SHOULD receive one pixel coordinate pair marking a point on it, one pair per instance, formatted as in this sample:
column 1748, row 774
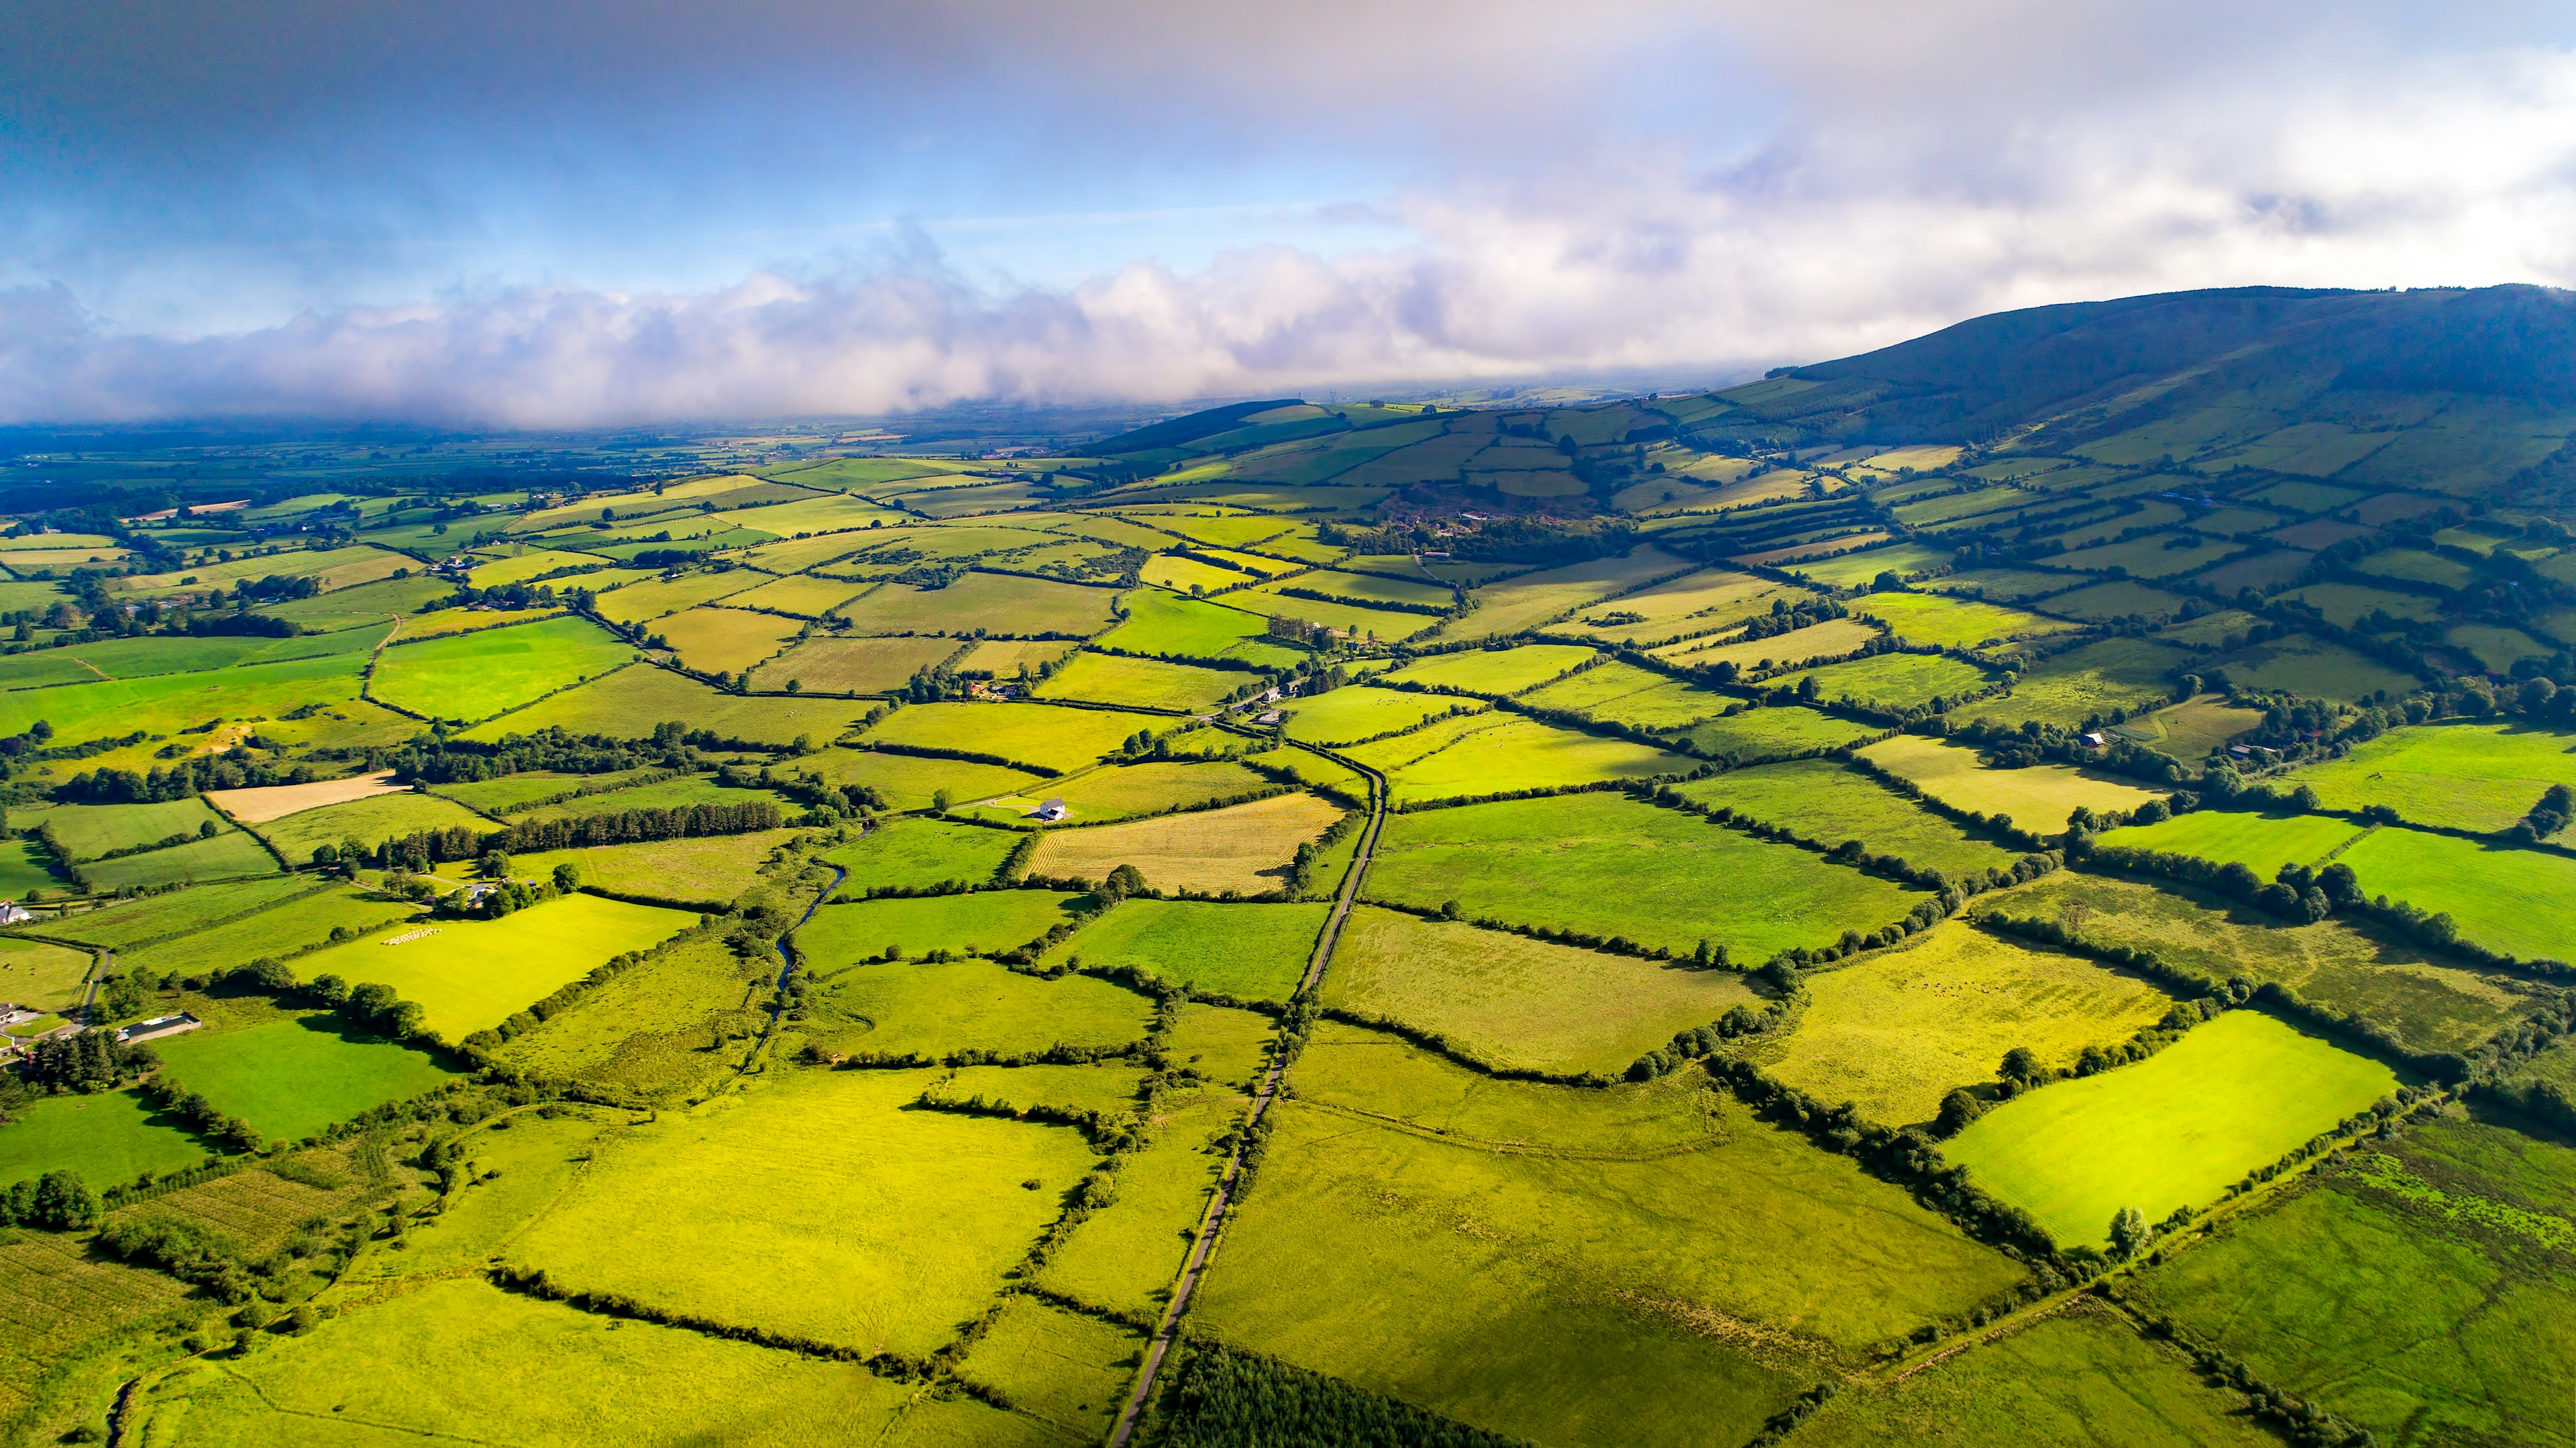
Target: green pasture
column 1494, row 672
column 1831, row 803
column 2464, row 776
column 2413, row 565
column 907, row 782
column 43, row 977
column 1898, row 1029
column 1152, row 787
column 2037, row 798
column 2154, row 556
column 1390, row 625
column 460, row 1358
column 473, row 974
column 671, row 1025
column 168, row 705
column 2261, row 842
column 916, row 854
column 628, row 703
column 91, row 830
column 477, row 675
column 1513, row 753
column 1834, row 638
column 1347, row 715
column 1605, row 865
column 718, row 640
column 2008, row 584
column 1057, row 1366
column 229, row 855
column 2423, row 1290
column 2119, row 598
column 804, row 595
column 1252, row 952
column 707, row 872
column 2089, row 681
column 25, row 866
column 2342, row 964
column 1893, row 681
column 108, row 1137
column 2186, row 732
column 1563, row 1291
column 1164, row 624
column 1519, row 1003
column 1955, row 623
column 1774, row 733
column 646, row 600
column 2312, row 668
column 984, row 922
column 143, row 658
column 1529, row 599
column 2084, row 1378
column 2521, row 902
column 1851, row 570
column 1696, row 603
column 1048, row 736
column 682, row 792
column 1126, row 1255
column 1626, row 694
column 368, row 821
column 1000, row 603
column 291, row 925
column 2171, row 1131
column 124, row 924
column 914, row 1007
column 1108, row 1087
column 290, row 1078
column 1140, row 683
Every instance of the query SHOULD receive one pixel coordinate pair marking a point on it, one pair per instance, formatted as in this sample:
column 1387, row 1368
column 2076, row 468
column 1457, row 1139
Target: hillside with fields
column 2015, row 889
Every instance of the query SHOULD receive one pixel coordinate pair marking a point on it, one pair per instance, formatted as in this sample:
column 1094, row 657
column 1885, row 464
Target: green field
column 2313, row 669
column 2171, row 1131
column 477, row 675
column 717, row 640
column 907, row 782
column 1897, row 1029
column 88, row 831
column 1955, row 623
column 473, row 974
column 914, row 854
column 1626, row 694
column 1139, row 683
column 301, row 921
column 1043, row 735
column 675, row 1024
column 1248, row 952
column 2262, row 842
column 2423, row 1291
column 911, row 1008
column 368, row 821
column 852, row 666
column 677, row 793
column 999, row 603
column 2084, row 1378
column 1893, row 681
column 143, row 658
column 1518, row 1003
column 463, row 1359
column 1346, row 716
column 1125, row 1257
column 2037, row 798
column 1493, row 672
column 1127, row 790
column 1608, row 866
column 2463, row 776
column 2521, row 902
column 703, row 873
column 628, row 703
column 1529, row 599
column 2427, row 1003
column 2069, row 688
column 108, row 1137
column 43, row 977
column 1832, row 803
column 25, row 866
column 1164, row 624
column 169, row 703
column 291, row 1078
column 1774, row 733
column 1493, row 753
column 986, row 922
column 226, row 856
column 1581, row 1286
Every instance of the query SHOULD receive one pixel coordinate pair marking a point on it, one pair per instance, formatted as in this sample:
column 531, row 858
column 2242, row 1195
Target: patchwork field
column 1516, row 1003
column 707, row 872
column 2089, row 682
column 1246, row 952
column 933, row 1009
column 1348, row 715
column 1603, row 865
column 290, row 1078
column 1898, row 1029
column 2171, row 1131
column 1492, row 754
column 477, row 675
column 472, row 974
column 370, row 822
column 918, row 854
column 1832, row 803
column 852, row 666
column 2037, row 798
column 1493, row 672
column 1051, row 738
column 1138, row 683
column 986, row 922
column 2465, row 776
column 1245, row 848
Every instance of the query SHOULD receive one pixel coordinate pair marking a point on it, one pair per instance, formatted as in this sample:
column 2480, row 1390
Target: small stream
column 787, row 963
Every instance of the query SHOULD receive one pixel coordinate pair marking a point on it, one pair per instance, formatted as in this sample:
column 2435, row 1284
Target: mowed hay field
column 2464, row 776
column 472, row 974
column 1518, row 1003
column 1248, row 952
column 1563, row 1264
column 2174, row 1130
column 2261, row 842
column 734, row 1210
column 477, row 675
column 2037, row 798
column 1245, row 848
column 2427, row 1003
column 2421, row 1289
column 1895, row 1030
column 1604, row 865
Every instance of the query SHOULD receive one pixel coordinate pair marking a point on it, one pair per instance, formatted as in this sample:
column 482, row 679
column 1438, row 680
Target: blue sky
column 540, row 214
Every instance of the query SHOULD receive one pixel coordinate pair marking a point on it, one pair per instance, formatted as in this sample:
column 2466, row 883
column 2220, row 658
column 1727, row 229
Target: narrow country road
column 1209, row 1225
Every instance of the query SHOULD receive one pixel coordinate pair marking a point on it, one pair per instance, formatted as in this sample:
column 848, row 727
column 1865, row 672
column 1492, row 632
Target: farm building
column 159, row 1027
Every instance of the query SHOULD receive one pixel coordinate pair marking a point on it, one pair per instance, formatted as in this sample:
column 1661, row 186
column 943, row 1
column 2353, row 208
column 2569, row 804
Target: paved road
column 1164, row 1336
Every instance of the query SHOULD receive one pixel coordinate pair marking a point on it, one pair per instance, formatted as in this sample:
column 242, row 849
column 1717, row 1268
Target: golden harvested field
column 257, row 806
column 1245, row 848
